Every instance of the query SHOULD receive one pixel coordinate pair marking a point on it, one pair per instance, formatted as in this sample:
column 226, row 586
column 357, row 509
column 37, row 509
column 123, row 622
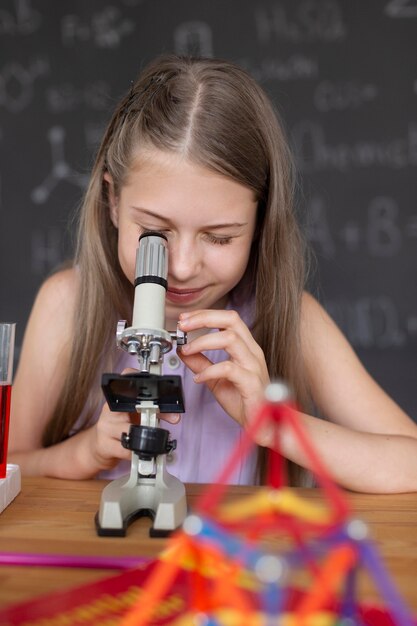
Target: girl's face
column 208, row 219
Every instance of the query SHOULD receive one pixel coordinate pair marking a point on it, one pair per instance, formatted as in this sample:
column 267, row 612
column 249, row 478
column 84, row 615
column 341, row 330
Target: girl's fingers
column 117, row 451
column 237, row 390
column 171, row 418
column 214, row 319
column 239, row 353
column 195, row 362
column 227, row 340
column 236, row 339
column 242, row 379
column 211, row 374
column 129, row 370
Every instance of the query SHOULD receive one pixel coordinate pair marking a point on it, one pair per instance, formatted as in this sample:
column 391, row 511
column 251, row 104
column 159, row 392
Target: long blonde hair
column 213, row 113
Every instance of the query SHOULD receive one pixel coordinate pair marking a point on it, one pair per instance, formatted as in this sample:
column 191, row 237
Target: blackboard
column 343, row 74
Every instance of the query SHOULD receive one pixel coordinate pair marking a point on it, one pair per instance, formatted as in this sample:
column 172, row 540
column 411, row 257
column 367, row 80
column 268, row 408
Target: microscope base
column 162, row 498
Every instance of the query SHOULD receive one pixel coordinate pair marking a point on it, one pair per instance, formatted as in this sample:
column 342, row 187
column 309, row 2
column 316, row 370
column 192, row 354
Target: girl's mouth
column 183, row 296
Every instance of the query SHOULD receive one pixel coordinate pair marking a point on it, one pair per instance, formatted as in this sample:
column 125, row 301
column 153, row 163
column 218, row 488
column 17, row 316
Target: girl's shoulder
column 313, row 314
column 46, row 345
column 59, row 289
column 55, row 304
column 320, row 336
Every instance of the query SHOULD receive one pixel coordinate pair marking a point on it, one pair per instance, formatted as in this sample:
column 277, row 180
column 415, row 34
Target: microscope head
column 147, row 337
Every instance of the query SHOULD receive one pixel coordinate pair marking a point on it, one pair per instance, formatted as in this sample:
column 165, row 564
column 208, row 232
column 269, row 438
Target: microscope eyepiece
column 152, row 260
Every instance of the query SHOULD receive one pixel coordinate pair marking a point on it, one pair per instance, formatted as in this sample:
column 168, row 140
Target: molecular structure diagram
column 60, row 170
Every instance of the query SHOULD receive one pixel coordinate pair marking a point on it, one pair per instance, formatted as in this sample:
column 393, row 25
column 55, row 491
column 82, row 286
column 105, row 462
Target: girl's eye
column 221, row 241
column 163, row 231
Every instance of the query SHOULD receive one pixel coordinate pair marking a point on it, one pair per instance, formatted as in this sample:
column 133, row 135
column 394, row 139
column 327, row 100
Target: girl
column 195, row 151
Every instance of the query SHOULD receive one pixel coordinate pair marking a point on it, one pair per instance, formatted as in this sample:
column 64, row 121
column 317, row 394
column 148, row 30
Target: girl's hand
column 238, row 384
column 106, row 445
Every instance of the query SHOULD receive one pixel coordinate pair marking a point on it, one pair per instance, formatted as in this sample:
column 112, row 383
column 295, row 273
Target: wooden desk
column 57, row 516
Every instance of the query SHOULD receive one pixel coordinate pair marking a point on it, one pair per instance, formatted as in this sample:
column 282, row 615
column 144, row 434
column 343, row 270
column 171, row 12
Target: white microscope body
column 149, row 490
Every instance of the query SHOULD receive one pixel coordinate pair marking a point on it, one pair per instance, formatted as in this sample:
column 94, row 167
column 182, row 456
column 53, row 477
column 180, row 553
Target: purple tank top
column 206, row 435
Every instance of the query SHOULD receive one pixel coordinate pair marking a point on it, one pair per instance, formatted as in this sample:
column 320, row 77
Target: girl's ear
column 113, row 204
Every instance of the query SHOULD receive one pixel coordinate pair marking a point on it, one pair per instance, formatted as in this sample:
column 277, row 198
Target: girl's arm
column 358, row 460
column 367, row 441
column 368, row 444
column 38, row 382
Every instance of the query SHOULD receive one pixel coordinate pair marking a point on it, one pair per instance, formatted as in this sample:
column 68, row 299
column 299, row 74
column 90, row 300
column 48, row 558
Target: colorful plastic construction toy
column 236, row 577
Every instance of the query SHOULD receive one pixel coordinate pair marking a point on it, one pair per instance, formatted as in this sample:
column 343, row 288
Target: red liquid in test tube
column 7, row 334
column 5, row 393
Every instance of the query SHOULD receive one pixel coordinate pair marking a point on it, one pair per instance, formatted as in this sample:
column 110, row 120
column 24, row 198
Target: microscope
column 149, row 490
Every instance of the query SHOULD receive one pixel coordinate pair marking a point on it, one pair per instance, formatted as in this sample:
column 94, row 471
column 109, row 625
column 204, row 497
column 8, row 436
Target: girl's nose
column 184, row 260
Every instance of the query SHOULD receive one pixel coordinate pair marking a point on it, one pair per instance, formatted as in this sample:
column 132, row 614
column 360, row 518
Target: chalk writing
column 384, row 235
column 369, row 322
column 22, row 19
column 67, row 97
column 401, row 8
column 331, row 96
column 60, row 170
column 106, row 29
column 17, row 83
column 314, row 153
column 317, row 227
column 380, row 233
column 343, row 80
column 193, row 38
column 295, row 67
column 305, row 21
